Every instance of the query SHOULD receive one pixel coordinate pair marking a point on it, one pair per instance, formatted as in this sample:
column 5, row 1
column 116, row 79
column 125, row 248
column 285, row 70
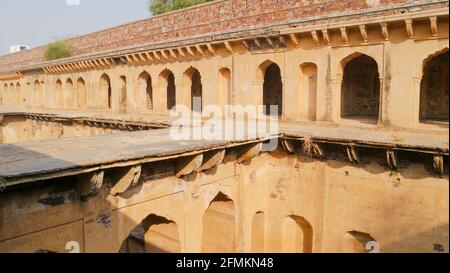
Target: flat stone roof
column 153, row 118
column 69, row 156
column 375, row 137
column 25, row 161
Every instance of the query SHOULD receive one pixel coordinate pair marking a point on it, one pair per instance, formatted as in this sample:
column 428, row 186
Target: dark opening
column 361, row 89
column 273, row 89
column 434, row 90
column 196, row 91
column 171, row 94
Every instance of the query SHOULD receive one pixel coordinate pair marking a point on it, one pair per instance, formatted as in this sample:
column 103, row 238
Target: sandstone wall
column 318, row 205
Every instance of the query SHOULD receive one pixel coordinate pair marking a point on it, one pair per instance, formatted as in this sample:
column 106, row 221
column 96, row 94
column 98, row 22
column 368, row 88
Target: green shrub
column 57, row 50
column 162, row 6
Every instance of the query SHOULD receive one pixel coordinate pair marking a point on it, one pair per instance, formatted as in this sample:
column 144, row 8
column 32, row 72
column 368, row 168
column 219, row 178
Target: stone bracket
column 247, row 45
column 288, row 146
column 282, row 41
column 188, row 165
column 173, row 54
column 164, row 54
column 181, row 52
column 156, row 55
column 126, row 178
column 229, row 47
column 270, row 42
column 250, row 152
column 353, row 155
column 409, row 28
column 258, row 43
column 363, row 30
column 385, row 31
column 325, row 35
column 294, row 39
column 313, row 150
column 211, row 49
column 438, row 164
column 318, row 151
column 344, row 35
column 149, row 56
column 89, row 184
column 433, row 25
column 315, row 37
column 212, row 160
column 200, row 50
column 391, row 157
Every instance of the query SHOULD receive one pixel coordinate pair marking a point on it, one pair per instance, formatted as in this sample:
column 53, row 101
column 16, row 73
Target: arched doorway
column 434, row 101
column 12, row 91
column 37, row 93
column 308, row 87
column 105, row 92
column 193, row 78
column 219, row 226
column 167, row 84
column 224, row 96
column 122, row 94
column 81, row 93
column 272, row 87
column 19, row 95
column 145, row 91
column 69, row 94
column 59, row 94
column 297, row 235
column 155, row 234
column 4, row 97
column 360, row 98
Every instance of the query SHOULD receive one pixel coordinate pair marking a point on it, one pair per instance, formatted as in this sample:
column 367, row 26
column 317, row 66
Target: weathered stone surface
column 360, row 154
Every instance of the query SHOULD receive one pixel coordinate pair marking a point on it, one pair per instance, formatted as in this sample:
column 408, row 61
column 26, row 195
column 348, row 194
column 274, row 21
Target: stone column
column 258, row 98
column 382, row 116
column 335, row 99
column 416, row 83
column 1, row 129
column 131, row 105
column 160, row 99
column 183, row 94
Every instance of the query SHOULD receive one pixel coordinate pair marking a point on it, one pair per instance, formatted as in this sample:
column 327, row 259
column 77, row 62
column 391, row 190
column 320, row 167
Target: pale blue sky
column 38, row 22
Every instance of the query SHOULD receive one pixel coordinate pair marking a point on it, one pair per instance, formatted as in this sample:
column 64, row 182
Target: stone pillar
column 382, row 116
column 416, row 83
column 258, row 98
column 210, row 91
column 1, row 129
column 41, row 95
column 335, row 99
column 130, row 100
column 160, row 98
column 183, row 94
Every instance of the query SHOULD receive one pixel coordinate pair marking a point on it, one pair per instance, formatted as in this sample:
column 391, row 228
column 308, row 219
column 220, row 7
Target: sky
column 39, row 22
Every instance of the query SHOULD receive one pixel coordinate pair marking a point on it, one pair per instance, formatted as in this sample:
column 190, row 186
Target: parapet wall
column 215, row 17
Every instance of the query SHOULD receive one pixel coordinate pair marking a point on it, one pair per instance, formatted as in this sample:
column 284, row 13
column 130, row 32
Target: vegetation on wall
column 162, row 6
column 57, row 50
